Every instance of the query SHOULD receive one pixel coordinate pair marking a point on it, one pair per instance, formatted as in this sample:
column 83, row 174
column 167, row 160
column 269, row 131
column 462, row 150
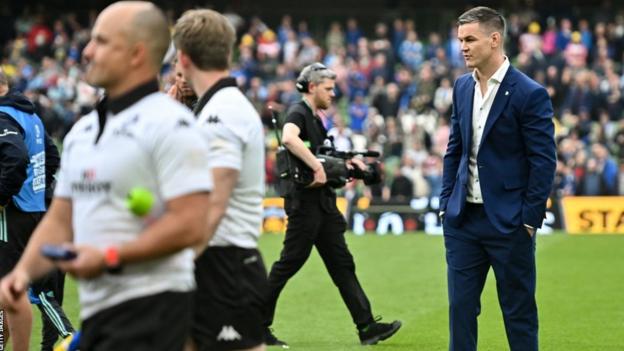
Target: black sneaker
column 271, row 340
column 376, row 331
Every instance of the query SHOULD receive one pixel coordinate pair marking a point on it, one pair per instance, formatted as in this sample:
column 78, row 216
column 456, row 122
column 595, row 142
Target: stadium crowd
column 394, row 88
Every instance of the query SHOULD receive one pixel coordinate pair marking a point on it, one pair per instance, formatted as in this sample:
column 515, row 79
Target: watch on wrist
column 112, row 260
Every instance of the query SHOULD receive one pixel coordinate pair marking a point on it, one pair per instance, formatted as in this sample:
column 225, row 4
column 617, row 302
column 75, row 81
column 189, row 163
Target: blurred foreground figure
column 29, row 159
column 131, row 197
column 230, row 273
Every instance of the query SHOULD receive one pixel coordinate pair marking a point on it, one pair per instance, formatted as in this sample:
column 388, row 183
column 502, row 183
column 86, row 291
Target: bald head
column 141, row 21
column 128, row 42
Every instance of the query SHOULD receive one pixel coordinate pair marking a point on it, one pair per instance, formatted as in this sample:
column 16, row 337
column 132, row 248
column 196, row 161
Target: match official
column 133, row 262
column 231, row 277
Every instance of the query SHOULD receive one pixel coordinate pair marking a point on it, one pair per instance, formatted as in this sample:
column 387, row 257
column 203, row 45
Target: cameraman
column 313, row 218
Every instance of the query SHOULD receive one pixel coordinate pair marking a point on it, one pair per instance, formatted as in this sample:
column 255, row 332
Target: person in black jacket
column 26, row 179
column 313, row 218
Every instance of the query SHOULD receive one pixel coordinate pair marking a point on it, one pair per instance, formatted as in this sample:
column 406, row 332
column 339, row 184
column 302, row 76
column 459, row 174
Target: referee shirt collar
column 126, row 100
column 220, row 84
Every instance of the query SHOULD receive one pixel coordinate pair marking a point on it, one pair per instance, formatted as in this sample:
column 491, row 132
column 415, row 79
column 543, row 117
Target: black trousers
column 16, row 227
column 312, row 222
column 47, row 294
column 159, row 322
column 229, row 302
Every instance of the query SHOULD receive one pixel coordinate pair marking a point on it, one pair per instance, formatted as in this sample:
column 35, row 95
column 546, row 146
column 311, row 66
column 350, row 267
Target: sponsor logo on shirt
column 89, row 185
column 38, row 164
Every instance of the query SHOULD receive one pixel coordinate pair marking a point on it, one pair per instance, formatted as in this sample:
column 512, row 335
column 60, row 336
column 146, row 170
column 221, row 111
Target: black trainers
column 376, row 331
column 271, row 340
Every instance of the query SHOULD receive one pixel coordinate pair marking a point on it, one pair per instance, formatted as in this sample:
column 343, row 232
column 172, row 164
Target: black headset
column 303, row 82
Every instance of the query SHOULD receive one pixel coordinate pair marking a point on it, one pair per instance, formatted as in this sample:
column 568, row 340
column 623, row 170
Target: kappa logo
column 126, row 128
column 183, row 123
column 228, row 333
column 213, row 120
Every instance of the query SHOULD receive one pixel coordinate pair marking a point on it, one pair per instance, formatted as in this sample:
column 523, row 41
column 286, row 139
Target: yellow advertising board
column 593, row 214
column 275, row 219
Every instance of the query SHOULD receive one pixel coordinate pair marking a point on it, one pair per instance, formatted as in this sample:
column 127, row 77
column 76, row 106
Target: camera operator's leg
column 303, row 226
column 333, row 249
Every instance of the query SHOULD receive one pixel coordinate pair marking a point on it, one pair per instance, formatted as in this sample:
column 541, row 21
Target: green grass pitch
column 580, row 295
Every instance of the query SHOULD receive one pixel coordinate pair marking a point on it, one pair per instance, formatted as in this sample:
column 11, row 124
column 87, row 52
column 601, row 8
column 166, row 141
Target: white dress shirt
column 480, row 111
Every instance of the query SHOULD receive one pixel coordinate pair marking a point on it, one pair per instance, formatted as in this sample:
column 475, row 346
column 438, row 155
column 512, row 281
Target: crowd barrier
column 394, row 217
column 574, row 215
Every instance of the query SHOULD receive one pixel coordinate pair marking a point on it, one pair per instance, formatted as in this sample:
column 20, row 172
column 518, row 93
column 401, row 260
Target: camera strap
column 289, row 167
column 316, row 132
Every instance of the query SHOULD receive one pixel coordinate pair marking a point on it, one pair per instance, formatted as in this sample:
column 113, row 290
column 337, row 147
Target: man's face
column 323, row 93
column 477, row 45
column 108, row 53
column 180, row 81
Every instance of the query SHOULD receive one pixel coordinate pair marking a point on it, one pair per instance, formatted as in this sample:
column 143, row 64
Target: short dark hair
column 488, row 17
column 207, row 37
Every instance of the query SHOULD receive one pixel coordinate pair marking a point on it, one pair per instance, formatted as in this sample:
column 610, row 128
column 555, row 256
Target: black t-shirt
column 312, row 130
column 311, row 127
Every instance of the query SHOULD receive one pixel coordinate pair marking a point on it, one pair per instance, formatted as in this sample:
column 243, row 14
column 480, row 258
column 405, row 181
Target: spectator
column 341, row 134
column 401, row 188
column 608, row 169
column 575, row 52
column 591, row 183
column 564, row 35
column 443, row 98
column 387, row 103
column 411, row 51
column 385, row 73
column 335, row 37
column 358, row 113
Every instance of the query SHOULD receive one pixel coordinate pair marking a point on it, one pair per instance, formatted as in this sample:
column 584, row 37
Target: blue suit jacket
column 516, row 159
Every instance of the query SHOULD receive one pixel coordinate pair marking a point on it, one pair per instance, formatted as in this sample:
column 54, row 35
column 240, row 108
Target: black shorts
column 16, row 227
column 229, row 301
column 158, row 322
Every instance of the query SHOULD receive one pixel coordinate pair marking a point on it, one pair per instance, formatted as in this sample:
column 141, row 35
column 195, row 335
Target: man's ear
column 497, row 40
column 139, row 54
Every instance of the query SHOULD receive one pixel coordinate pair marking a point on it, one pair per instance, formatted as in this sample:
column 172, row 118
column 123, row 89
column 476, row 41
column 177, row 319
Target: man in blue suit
column 498, row 171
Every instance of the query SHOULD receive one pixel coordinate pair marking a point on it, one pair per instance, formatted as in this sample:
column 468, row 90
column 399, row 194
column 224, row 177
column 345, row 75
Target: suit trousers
column 312, row 222
column 470, row 252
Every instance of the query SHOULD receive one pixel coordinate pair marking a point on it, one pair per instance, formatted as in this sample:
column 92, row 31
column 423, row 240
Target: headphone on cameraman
column 303, row 82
